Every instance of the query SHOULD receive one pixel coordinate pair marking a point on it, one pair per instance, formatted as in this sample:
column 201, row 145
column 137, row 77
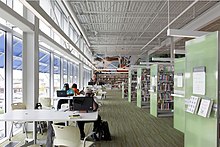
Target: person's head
column 88, row 92
column 66, row 86
column 74, row 86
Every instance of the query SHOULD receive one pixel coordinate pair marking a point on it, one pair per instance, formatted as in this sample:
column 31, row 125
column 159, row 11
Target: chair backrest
column 66, row 135
column 45, row 101
column 16, row 106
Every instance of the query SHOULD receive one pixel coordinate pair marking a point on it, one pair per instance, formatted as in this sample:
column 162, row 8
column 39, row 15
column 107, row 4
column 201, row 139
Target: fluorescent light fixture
column 185, row 33
column 162, row 59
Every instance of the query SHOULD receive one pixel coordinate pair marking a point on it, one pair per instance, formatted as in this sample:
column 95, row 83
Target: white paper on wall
column 205, row 107
column 199, row 83
column 179, row 81
column 193, row 104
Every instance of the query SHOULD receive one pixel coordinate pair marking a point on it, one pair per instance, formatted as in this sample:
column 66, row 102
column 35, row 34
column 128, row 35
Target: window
column 66, row 25
column 76, row 70
column 18, row 7
column 65, row 70
column 2, row 82
column 45, row 4
column 71, row 73
column 17, row 70
column 56, row 73
column 44, row 28
column 44, row 76
column 58, row 14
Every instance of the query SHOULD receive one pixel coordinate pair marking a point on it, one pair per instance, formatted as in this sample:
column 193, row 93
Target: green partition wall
column 179, row 95
column 139, row 97
column 153, row 92
column 203, row 51
column 129, row 85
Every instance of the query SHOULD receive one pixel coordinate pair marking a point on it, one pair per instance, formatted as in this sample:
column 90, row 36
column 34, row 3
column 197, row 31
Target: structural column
column 30, row 63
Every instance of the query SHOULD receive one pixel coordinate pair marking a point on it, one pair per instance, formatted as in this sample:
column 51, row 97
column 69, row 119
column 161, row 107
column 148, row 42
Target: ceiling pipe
column 192, row 4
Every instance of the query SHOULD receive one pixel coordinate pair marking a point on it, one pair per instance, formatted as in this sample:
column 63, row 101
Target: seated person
column 76, row 91
column 88, row 93
column 69, row 92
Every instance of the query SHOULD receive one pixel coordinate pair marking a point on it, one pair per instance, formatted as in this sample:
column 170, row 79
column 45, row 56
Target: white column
column 51, row 75
column 31, row 64
column 61, row 73
column 9, row 76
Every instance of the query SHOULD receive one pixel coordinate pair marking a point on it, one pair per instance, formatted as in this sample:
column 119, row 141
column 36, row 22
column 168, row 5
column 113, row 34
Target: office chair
column 17, row 106
column 69, row 136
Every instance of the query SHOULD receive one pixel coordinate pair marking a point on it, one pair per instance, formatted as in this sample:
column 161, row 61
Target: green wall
column 203, row 51
column 139, row 98
column 129, row 85
column 179, row 102
column 153, row 95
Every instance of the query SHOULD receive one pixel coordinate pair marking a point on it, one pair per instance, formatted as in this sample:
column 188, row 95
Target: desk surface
column 46, row 115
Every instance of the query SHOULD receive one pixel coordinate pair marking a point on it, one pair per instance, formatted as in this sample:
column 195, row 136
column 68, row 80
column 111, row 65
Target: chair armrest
column 84, row 141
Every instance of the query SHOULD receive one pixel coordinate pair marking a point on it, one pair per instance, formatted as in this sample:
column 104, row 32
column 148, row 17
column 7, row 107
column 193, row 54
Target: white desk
column 45, row 115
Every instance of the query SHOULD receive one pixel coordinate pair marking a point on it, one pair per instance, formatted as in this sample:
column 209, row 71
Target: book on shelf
column 205, row 107
column 193, row 105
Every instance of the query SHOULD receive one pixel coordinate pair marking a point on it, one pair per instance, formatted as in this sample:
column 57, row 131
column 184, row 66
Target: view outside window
column 76, row 74
column 2, row 82
column 17, row 70
column 56, row 67
column 65, row 71
column 71, row 73
column 44, row 76
column 18, row 7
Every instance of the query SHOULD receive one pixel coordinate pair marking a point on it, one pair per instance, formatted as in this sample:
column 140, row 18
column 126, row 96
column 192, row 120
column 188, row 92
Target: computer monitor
column 91, row 83
column 83, row 103
column 61, row 93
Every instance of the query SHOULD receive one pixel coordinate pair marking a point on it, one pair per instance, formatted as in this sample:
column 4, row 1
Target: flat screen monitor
column 83, row 103
column 61, row 93
column 91, row 83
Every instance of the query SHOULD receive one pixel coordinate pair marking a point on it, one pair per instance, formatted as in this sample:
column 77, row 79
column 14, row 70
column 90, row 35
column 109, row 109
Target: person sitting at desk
column 76, row 91
column 69, row 92
column 88, row 93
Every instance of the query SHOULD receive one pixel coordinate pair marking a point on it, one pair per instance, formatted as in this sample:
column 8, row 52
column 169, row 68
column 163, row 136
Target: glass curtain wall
column 2, row 81
column 65, row 70
column 56, row 74
column 17, row 70
column 44, row 73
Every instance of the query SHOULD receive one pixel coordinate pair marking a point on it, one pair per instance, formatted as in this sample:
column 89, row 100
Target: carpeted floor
column 131, row 126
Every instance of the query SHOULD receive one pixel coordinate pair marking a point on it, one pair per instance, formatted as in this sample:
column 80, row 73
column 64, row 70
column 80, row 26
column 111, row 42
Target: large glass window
column 65, row 70
column 18, row 7
column 58, row 14
column 56, row 74
column 71, row 73
column 17, row 70
column 44, row 76
column 76, row 74
column 66, row 25
column 2, row 81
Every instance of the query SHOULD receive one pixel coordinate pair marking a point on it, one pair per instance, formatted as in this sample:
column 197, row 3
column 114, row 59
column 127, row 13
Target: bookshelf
column 134, row 85
column 114, row 79
column 143, row 95
column 161, row 101
column 124, row 90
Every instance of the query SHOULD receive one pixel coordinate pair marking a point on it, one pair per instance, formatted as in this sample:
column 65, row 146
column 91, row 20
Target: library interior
column 109, row 73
